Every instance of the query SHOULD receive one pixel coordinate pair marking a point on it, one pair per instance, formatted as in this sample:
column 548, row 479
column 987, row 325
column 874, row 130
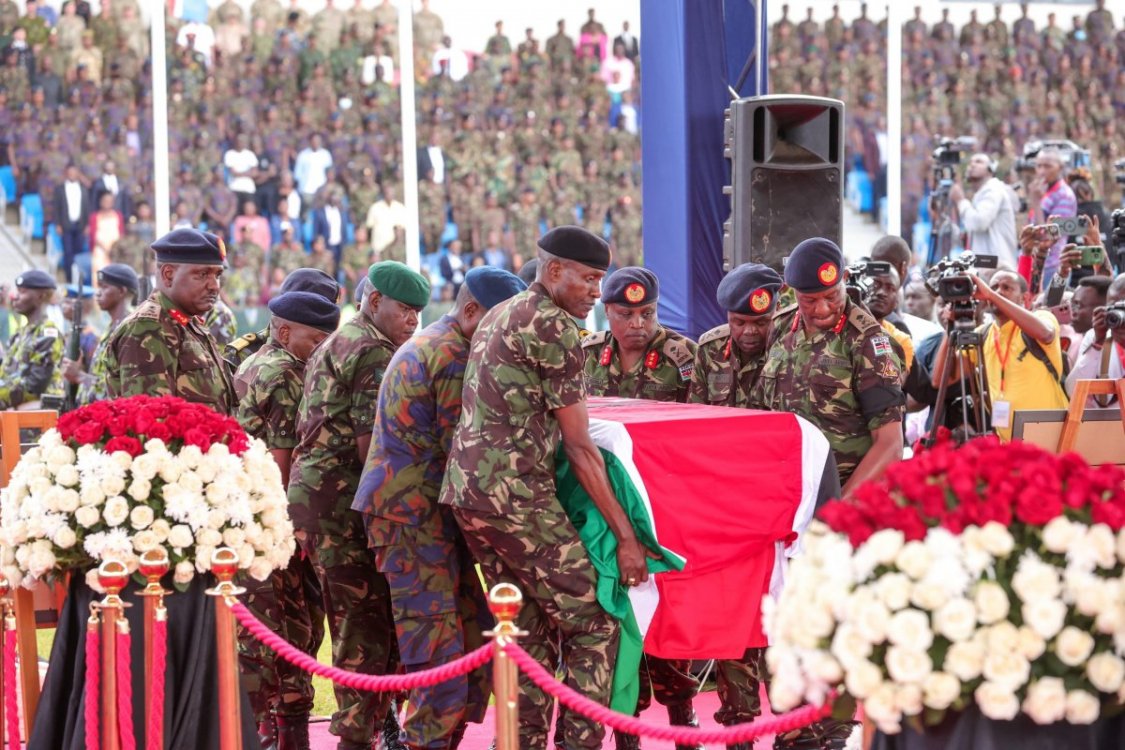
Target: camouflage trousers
column 358, row 604
column 289, row 602
column 440, row 613
column 540, row 552
column 669, row 681
column 739, row 682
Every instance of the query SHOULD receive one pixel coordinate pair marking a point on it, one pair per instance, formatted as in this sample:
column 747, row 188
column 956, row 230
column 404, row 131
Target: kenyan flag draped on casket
column 726, row 490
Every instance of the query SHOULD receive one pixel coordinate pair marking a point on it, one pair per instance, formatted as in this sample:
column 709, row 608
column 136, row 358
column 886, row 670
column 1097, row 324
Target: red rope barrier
column 372, row 683
column 125, row 691
column 11, row 697
column 156, row 698
column 575, row 701
column 93, row 682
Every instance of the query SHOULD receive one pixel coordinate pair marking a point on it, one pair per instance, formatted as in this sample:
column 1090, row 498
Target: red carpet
column 479, row 736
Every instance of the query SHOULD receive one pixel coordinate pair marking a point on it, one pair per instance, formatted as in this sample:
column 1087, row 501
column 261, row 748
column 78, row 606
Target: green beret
column 400, row 282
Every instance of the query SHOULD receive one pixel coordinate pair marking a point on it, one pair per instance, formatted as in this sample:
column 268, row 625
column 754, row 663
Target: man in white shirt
column 1102, row 351
column 199, row 37
column 451, row 62
column 990, row 218
column 242, row 166
column 618, row 71
column 383, row 217
column 311, row 168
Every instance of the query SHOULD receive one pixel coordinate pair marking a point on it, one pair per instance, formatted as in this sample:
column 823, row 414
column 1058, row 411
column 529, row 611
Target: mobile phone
column 1073, row 226
column 1092, row 255
column 1047, row 231
column 1061, row 313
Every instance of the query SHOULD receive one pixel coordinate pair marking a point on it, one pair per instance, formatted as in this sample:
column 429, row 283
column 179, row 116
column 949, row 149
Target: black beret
column 119, row 274
column 814, row 265
column 36, row 279
column 528, row 271
column 490, row 285
column 749, row 289
column 190, row 246
column 311, row 280
column 632, row 286
column 577, row 244
column 306, row 308
column 72, row 291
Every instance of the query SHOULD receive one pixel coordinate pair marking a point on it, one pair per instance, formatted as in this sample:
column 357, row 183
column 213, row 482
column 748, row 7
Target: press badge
column 1001, row 414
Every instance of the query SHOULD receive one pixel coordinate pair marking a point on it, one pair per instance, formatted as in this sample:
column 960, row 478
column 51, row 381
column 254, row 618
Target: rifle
column 74, row 346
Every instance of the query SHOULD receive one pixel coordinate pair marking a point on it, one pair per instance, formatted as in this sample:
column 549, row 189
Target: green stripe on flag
column 601, row 546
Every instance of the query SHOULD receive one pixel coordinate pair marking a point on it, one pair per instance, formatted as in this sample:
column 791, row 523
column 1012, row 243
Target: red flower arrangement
column 956, row 486
column 125, row 424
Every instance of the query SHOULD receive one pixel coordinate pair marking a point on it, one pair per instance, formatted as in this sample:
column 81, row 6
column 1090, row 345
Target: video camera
column 949, row 279
column 950, row 151
column 1119, row 171
column 860, row 279
column 1115, row 238
column 1072, row 154
column 1115, row 316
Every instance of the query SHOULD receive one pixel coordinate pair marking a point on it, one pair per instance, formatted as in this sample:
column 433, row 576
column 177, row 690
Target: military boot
column 683, row 715
column 392, row 732
column 624, row 741
column 267, row 733
column 292, row 733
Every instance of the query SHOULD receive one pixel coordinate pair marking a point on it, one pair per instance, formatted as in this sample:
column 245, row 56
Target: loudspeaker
column 787, row 176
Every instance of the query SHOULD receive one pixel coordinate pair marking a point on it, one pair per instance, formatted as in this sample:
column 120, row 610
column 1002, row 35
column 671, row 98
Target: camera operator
column 990, row 218
column 1049, row 195
column 1102, row 351
column 1022, row 356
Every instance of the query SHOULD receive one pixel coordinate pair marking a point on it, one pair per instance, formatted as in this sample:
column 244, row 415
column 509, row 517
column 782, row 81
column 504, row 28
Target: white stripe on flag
column 615, row 438
column 814, row 453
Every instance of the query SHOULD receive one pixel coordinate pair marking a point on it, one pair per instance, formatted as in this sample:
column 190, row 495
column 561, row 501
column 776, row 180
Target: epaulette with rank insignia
column 715, row 334
column 862, row 320
column 594, row 339
column 681, row 356
column 149, row 309
column 243, row 341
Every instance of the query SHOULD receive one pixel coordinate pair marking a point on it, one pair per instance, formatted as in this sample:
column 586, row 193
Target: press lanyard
column 1007, row 354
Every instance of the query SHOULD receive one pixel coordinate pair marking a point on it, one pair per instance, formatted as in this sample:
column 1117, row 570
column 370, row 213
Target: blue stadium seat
column 31, row 215
column 349, row 233
column 921, row 237
column 858, row 192
column 450, row 233
column 8, row 183
column 307, row 232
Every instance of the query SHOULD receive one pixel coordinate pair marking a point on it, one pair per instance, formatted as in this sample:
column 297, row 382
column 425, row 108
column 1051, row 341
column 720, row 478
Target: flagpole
column 162, row 211
column 409, row 132
column 894, row 118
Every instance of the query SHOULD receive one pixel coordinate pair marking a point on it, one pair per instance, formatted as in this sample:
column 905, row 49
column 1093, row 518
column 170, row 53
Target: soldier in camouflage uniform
column 269, row 385
column 523, row 392
column 30, row 365
column 334, row 431
column 220, row 323
column 118, row 287
column 301, row 280
column 161, row 348
column 730, row 356
column 439, row 605
column 639, row 358
column 832, row 364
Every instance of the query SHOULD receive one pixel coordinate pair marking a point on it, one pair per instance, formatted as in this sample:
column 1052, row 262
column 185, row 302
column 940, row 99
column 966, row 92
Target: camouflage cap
column 190, row 246
column 631, row 286
column 814, row 265
column 490, row 285
column 400, row 282
column 749, row 289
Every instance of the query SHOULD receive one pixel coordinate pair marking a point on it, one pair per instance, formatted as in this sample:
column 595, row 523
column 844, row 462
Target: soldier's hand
column 631, row 556
column 71, row 370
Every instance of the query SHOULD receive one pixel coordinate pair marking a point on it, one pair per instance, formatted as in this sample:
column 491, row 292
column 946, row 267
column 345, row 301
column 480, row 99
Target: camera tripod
column 963, row 340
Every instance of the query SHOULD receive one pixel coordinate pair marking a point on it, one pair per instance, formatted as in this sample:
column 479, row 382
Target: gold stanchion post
column 5, row 607
column 154, row 565
column 505, row 601
column 224, row 566
column 113, row 576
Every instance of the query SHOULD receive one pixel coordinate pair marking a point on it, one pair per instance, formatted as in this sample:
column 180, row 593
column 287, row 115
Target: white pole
column 409, row 131
column 162, row 211
column 894, row 117
column 761, row 63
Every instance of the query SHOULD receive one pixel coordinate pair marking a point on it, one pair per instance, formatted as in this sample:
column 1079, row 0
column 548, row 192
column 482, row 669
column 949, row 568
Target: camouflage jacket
column 240, row 350
column 158, row 350
column 93, row 388
column 31, row 365
column 337, row 404
column 419, row 405
column 269, row 385
column 663, row 374
column 724, row 375
column 220, row 323
column 846, row 381
column 525, row 362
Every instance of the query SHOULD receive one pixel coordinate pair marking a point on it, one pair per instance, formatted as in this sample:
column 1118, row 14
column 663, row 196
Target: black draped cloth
column 191, row 698
column 970, row 730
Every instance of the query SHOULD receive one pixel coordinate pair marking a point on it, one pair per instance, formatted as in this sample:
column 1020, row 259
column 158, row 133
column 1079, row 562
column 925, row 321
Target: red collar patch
column 607, row 355
column 652, row 359
column 726, row 351
column 179, row 317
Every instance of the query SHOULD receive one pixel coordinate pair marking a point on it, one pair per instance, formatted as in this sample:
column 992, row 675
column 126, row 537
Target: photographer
column 1049, row 195
column 1102, row 351
column 990, row 218
column 1022, row 356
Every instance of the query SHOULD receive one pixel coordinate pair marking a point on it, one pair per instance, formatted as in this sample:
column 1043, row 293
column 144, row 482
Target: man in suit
column 72, row 216
column 431, row 159
column 328, row 222
column 110, row 182
column 628, row 40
